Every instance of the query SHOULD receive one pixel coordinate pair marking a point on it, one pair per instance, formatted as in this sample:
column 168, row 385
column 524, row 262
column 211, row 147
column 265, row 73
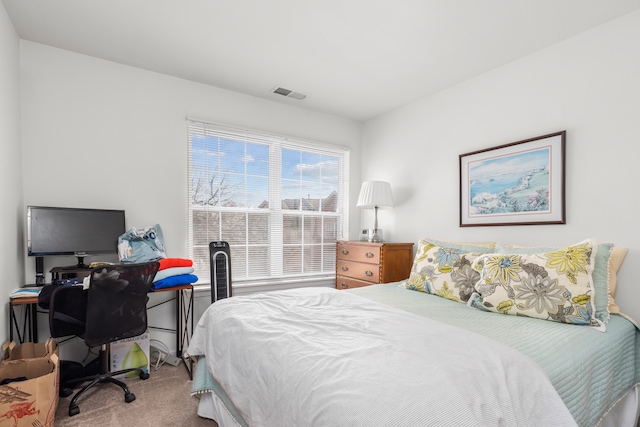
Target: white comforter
column 322, row 357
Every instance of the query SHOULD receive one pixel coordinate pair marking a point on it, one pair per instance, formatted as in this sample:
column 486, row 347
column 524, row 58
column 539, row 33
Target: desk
column 183, row 328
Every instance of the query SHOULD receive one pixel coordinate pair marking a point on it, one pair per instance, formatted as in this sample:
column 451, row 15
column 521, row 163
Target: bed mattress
column 590, row 369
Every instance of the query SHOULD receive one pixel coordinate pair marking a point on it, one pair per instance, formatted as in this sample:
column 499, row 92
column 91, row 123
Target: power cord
column 161, row 352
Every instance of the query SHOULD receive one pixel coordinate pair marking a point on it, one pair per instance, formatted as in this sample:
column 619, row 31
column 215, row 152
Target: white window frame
column 277, row 280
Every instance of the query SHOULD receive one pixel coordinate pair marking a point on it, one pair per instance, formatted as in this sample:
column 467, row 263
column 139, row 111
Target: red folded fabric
column 174, row 262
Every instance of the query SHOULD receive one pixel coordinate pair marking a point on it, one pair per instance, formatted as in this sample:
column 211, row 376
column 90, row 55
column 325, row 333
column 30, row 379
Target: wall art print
column 521, row 183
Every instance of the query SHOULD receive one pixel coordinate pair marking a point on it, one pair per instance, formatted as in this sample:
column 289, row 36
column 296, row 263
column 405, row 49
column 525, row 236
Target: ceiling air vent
column 289, row 93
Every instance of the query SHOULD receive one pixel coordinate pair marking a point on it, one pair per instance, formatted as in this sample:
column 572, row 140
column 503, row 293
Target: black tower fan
column 220, row 257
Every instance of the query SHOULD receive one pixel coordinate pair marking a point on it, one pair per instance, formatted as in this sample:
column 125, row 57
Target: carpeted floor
column 162, row 400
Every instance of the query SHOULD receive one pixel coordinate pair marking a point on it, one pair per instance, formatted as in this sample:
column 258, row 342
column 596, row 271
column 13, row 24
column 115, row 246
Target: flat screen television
column 53, row 231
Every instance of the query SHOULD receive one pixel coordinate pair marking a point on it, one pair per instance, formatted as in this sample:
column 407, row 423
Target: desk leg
column 179, row 323
column 26, row 326
column 34, row 323
column 184, row 326
column 29, row 328
column 13, row 323
column 12, row 316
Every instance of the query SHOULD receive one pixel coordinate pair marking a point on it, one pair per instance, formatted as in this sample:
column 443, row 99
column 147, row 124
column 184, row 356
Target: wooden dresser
column 364, row 263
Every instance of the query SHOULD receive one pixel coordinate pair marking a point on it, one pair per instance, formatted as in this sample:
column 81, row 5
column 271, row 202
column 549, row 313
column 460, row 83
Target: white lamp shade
column 375, row 194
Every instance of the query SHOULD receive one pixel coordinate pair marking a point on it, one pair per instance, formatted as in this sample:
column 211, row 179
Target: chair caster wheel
column 129, row 397
column 74, row 410
column 144, row 375
column 65, row 392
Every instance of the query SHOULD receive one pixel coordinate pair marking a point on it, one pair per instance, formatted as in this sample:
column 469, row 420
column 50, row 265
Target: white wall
column 11, row 222
column 103, row 135
column 587, row 85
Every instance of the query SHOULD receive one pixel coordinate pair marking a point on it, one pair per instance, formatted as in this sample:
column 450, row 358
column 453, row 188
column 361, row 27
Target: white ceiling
column 354, row 58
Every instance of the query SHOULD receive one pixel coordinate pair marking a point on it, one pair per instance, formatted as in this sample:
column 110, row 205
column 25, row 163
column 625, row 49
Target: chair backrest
column 67, row 310
column 117, row 302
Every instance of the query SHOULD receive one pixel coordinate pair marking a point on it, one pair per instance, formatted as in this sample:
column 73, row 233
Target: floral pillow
column 444, row 269
column 555, row 285
column 601, row 276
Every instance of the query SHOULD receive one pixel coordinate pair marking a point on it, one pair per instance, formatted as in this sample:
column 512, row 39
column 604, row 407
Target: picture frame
column 520, row 183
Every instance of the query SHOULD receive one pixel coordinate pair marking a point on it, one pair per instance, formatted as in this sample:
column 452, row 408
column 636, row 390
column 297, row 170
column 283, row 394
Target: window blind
column 279, row 202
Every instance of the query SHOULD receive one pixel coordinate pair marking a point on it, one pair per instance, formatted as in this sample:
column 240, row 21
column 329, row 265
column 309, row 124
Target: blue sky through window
column 241, row 170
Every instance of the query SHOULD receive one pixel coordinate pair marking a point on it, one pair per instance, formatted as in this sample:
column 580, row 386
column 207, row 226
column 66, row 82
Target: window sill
column 203, row 288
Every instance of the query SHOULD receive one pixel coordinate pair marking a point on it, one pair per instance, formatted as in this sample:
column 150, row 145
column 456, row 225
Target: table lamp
column 375, row 194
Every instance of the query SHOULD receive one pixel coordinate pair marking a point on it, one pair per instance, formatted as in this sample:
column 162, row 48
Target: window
column 281, row 204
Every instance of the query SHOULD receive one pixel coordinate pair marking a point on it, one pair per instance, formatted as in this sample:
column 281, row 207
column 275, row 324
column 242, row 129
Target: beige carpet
column 162, row 400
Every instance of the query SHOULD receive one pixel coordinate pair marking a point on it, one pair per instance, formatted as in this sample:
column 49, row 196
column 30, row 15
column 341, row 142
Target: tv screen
column 55, row 231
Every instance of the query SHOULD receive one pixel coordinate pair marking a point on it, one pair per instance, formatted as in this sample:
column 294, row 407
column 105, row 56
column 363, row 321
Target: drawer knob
column 345, row 252
column 369, row 255
column 368, row 273
column 345, row 268
column 344, row 285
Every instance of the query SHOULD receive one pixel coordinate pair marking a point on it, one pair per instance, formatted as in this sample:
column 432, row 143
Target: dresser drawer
column 349, row 283
column 359, row 253
column 366, row 263
column 358, row 270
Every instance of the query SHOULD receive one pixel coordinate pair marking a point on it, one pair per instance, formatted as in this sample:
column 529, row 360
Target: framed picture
column 521, row 183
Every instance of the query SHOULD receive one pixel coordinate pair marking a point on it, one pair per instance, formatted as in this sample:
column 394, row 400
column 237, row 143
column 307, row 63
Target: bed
column 386, row 355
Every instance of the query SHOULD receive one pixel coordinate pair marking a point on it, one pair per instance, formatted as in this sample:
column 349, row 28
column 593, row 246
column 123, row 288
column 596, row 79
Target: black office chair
column 113, row 308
